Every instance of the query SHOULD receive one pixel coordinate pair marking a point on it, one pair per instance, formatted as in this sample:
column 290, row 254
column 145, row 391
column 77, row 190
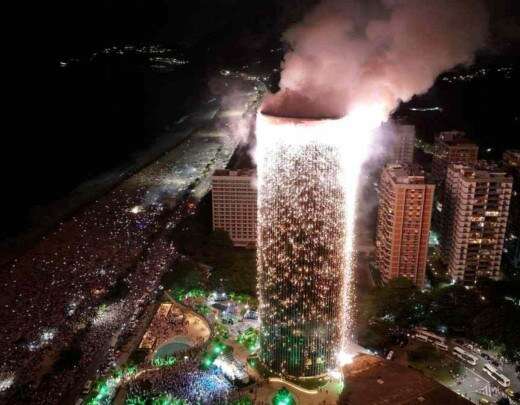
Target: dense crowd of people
column 70, row 302
column 185, row 381
column 53, row 295
column 165, row 325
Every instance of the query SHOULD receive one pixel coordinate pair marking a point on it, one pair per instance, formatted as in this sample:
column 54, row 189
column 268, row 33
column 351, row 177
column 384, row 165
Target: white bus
column 496, row 375
column 421, row 337
column 465, row 356
column 441, row 346
column 431, row 337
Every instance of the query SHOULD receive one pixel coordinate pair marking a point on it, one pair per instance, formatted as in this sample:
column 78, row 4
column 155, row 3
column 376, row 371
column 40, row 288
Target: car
column 486, row 356
column 509, row 392
column 468, row 346
column 390, row 355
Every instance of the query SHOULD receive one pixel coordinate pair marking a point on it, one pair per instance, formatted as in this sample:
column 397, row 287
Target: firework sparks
column 308, row 174
column 300, row 245
column 354, row 135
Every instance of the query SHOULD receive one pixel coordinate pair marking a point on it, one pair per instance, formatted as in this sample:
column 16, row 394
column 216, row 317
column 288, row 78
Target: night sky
column 77, row 123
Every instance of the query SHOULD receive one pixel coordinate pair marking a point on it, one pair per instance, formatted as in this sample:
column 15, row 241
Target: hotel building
column 234, row 205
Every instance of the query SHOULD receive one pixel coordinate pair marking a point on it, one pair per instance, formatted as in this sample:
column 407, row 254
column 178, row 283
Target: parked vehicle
column 430, row 337
column 496, row 375
column 468, row 346
column 441, row 346
column 464, row 355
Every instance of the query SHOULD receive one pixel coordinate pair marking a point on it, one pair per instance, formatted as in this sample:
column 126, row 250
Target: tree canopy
column 487, row 313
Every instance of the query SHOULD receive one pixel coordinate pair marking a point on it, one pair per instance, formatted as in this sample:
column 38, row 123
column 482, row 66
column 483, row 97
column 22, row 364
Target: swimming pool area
column 172, row 347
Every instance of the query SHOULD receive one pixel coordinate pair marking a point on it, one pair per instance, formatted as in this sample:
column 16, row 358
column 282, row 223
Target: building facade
column 511, row 162
column 404, row 144
column 477, row 200
column 511, row 158
column 451, row 147
column 403, row 223
column 234, row 205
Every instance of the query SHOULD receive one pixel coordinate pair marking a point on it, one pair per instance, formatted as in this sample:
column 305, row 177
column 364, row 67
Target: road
column 477, row 383
column 473, row 383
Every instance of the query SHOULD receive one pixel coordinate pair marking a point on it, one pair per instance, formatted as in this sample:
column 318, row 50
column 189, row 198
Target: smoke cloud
column 348, row 54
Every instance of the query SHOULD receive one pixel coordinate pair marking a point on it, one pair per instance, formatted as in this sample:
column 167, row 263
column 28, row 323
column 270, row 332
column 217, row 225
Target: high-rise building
column 451, row 147
column 511, row 162
column 234, row 205
column 301, row 245
column 511, row 158
column 403, row 223
column 477, row 202
column 404, row 143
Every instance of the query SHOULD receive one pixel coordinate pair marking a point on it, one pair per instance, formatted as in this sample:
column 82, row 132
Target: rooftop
column 511, row 157
column 235, row 173
column 482, row 171
column 372, row 380
column 455, row 138
column 406, row 174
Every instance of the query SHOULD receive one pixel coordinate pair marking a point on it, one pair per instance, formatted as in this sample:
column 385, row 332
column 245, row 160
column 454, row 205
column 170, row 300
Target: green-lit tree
column 283, row 397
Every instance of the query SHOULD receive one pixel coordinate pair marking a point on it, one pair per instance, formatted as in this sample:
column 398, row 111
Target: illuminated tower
column 301, row 245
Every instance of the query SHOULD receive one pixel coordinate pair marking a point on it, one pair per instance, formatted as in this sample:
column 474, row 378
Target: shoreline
column 89, row 191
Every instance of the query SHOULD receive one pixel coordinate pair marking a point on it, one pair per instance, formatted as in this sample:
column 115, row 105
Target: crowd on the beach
column 91, row 279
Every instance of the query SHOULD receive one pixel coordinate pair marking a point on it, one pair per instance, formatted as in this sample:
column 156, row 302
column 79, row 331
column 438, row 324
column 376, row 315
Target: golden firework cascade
column 301, row 240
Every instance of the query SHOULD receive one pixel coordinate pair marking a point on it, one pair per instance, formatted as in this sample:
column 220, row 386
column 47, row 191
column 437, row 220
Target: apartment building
column 404, row 144
column 403, row 223
column 511, row 158
column 451, row 147
column 511, row 162
column 477, row 200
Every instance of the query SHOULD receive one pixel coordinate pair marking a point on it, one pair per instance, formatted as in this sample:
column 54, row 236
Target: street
column 472, row 382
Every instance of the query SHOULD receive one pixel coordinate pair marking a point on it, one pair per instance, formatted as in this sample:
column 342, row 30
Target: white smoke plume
column 348, row 54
